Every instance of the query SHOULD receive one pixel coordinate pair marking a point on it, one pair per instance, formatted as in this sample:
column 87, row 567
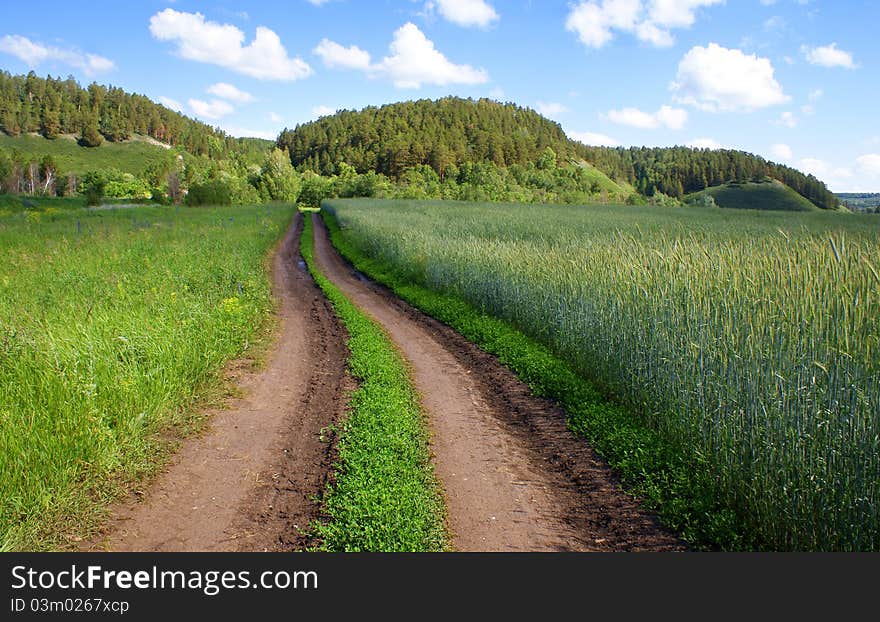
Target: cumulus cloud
column 229, row 92
column 214, row 109
column 337, row 56
column 652, row 21
column 869, row 164
column 34, row 54
column 704, row 143
column 467, row 13
column 716, row 79
column 666, row 116
column 413, row 60
column 550, row 109
column 787, row 119
column 171, row 103
column 781, row 151
column 241, row 132
column 322, row 111
column 198, row 39
column 592, row 138
column 828, row 56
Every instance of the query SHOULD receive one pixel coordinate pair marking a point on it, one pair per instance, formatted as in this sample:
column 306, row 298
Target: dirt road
column 514, row 477
column 247, row 484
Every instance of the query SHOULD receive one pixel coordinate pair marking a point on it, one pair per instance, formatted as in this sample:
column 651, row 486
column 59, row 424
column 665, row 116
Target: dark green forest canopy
column 52, row 107
column 451, row 131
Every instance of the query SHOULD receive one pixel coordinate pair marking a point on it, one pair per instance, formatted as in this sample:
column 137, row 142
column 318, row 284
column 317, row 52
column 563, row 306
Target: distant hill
column 764, row 195
column 861, row 201
column 442, row 133
column 449, row 132
column 55, row 108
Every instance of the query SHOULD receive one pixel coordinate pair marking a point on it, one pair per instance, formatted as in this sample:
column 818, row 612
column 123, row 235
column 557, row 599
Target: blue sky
column 796, row 81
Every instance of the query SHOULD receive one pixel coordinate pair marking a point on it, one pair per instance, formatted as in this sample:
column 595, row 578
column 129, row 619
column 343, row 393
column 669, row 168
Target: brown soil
column 515, row 478
column 252, row 480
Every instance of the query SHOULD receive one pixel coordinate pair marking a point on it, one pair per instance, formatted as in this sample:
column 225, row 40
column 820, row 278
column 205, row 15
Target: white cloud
column 814, row 166
column 715, row 78
column 215, row 109
column 415, row 61
column 787, row 119
column 869, row 164
column 228, row 92
column 412, row 62
column 592, row 138
column 337, row 56
column 705, row 143
column 171, row 103
column 466, row 13
column 274, row 117
column 828, row 56
column 666, row 116
column 550, row 109
column 264, row 58
column 781, row 151
column 322, row 111
column 651, row 21
column 241, row 132
column 34, row 54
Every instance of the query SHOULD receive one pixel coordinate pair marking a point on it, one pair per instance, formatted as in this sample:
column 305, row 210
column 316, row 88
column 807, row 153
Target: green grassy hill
column 765, row 195
column 619, row 189
column 133, row 156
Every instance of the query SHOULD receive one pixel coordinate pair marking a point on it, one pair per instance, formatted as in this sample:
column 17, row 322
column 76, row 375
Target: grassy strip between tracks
column 672, row 482
column 385, row 496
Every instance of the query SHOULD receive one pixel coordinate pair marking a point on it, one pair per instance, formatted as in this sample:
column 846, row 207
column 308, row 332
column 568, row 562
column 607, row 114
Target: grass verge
column 385, row 496
column 114, row 331
column 671, row 481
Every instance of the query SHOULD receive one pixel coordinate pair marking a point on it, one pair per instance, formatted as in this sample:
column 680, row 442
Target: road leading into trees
column 514, row 477
column 249, row 482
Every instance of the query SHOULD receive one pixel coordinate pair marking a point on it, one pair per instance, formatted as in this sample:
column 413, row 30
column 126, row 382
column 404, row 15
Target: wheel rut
column 253, row 480
column 514, row 477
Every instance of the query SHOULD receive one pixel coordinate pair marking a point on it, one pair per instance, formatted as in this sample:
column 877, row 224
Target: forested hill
column 450, row 132
column 52, row 107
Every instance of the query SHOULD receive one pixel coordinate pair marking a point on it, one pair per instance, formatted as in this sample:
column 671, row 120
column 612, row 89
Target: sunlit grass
column 111, row 323
column 749, row 339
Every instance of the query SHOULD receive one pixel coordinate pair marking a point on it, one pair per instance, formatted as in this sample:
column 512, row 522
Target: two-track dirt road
column 247, row 483
column 514, row 477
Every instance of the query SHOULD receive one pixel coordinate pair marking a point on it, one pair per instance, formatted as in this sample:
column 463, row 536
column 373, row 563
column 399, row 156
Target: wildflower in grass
column 232, row 305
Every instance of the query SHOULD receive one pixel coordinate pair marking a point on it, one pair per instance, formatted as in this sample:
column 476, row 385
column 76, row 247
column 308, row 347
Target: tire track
column 252, row 480
column 515, row 478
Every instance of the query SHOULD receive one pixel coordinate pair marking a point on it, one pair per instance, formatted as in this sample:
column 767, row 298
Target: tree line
column 448, row 148
column 52, row 107
column 449, row 132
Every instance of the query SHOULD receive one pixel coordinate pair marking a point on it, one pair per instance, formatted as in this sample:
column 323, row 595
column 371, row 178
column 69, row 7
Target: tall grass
column 751, row 339
column 111, row 322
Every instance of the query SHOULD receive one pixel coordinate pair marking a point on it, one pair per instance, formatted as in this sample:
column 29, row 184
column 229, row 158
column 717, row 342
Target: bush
column 209, row 193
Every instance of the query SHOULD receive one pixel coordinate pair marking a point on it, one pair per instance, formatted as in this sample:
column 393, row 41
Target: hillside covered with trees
column 58, row 138
column 53, row 107
column 449, row 133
